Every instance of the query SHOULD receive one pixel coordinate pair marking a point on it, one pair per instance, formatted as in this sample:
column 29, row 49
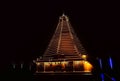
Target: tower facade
column 65, row 52
column 64, row 42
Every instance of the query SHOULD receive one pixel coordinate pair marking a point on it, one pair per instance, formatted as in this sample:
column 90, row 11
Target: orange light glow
column 84, row 56
column 64, row 63
column 87, row 66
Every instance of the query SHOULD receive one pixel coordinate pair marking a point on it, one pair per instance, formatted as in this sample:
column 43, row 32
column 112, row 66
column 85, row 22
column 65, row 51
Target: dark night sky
column 28, row 27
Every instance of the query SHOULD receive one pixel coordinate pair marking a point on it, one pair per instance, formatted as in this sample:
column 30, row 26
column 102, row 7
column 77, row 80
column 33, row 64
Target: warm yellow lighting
column 53, row 63
column 64, row 62
column 57, row 62
column 84, row 56
column 46, row 63
column 87, row 66
column 38, row 63
column 76, row 62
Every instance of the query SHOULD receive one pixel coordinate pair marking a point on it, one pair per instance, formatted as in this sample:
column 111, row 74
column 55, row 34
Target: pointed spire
column 64, row 41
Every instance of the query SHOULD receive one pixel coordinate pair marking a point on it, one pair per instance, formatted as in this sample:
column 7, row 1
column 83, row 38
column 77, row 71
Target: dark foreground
column 64, row 76
column 47, row 77
column 29, row 76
